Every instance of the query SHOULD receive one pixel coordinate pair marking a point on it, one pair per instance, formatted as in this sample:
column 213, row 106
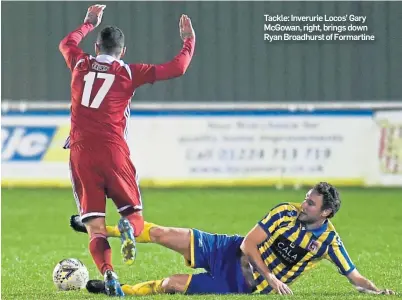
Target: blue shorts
column 219, row 255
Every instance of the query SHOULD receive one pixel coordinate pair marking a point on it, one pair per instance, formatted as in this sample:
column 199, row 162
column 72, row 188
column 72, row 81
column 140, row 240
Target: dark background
column 231, row 63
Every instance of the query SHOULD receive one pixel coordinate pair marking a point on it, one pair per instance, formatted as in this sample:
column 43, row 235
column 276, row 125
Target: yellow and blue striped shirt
column 291, row 249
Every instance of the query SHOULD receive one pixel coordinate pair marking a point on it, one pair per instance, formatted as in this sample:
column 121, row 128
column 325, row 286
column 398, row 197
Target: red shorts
column 101, row 172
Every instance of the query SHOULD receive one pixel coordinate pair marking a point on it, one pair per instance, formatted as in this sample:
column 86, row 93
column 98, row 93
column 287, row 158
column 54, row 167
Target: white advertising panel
column 265, row 149
column 182, row 148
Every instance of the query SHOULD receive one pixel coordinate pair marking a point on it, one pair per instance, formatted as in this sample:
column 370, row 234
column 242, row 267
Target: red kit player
column 101, row 91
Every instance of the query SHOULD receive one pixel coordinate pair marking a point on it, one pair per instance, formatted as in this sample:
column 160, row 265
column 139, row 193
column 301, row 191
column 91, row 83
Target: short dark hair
column 330, row 197
column 110, row 40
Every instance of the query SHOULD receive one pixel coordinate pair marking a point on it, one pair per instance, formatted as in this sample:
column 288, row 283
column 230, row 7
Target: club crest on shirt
column 313, row 246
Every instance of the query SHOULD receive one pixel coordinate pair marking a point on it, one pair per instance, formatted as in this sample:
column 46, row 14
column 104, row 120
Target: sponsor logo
column 25, row 143
column 287, row 252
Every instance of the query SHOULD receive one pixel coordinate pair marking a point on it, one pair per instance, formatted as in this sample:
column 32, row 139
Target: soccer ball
column 70, row 274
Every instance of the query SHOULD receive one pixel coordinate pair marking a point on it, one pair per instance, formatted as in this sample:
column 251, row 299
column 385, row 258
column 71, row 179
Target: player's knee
column 175, row 284
column 163, row 235
column 157, row 233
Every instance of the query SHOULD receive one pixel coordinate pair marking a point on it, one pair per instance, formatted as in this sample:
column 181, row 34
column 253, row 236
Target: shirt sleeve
column 149, row 73
column 282, row 213
column 69, row 45
column 338, row 255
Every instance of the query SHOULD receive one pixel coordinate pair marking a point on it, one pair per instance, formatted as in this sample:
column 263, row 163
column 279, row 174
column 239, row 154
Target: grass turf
column 36, row 235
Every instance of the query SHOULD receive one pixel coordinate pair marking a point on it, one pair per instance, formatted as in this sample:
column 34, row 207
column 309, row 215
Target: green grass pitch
column 36, row 235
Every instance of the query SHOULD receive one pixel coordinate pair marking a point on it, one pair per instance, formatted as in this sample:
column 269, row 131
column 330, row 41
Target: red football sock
column 101, row 252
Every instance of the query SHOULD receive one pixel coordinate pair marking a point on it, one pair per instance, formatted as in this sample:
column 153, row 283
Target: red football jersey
column 102, row 88
column 101, row 91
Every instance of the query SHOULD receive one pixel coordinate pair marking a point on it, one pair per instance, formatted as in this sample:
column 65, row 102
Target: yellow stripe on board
column 263, row 182
column 252, row 182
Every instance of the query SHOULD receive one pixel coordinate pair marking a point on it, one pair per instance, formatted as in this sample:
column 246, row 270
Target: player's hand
column 185, row 27
column 387, row 292
column 94, row 14
column 278, row 285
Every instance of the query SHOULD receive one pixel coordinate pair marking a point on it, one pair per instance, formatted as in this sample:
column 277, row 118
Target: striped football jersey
column 290, row 249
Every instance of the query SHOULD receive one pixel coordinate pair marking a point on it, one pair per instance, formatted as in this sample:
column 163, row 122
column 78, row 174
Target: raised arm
column 178, row 66
column 149, row 73
column 69, row 45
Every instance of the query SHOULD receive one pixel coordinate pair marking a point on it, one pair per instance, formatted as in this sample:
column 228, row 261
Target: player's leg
column 98, row 244
column 219, row 255
column 91, row 205
column 173, row 284
column 122, row 187
column 176, row 239
column 130, row 226
column 202, row 283
column 111, row 230
column 177, row 283
column 91, row 202
column 181, row 240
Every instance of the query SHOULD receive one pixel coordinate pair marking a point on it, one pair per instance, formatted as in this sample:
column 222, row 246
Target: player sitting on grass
column 286, row 243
